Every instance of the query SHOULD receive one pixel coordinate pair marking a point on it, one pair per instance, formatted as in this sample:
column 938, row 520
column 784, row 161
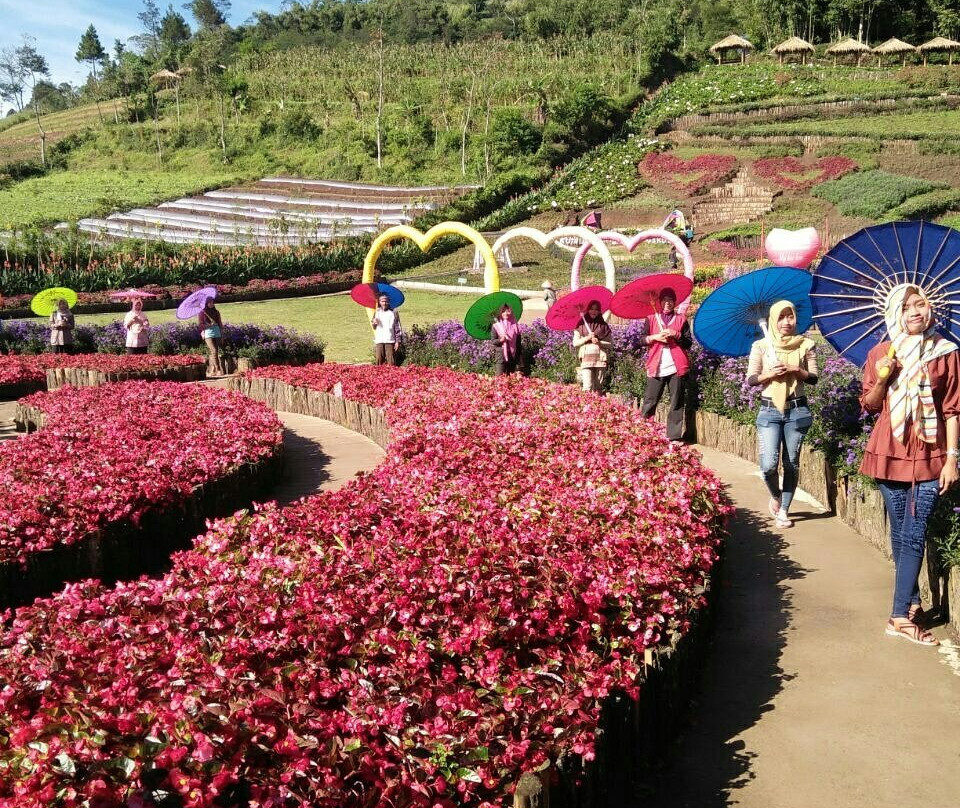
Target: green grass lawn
column 336, row 319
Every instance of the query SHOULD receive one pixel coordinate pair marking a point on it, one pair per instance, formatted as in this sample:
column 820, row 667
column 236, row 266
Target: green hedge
column 929, row 205
column 872, row 194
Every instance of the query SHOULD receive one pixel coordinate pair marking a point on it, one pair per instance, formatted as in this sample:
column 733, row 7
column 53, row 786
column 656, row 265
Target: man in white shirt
column 387, row 332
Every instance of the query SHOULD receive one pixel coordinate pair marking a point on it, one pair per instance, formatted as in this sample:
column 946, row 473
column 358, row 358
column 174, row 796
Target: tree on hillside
column 91, row 50
column 209, row 13
column 173, row 34
column 34, row 69
column 149, row 40
column 207, row 61
column 12, row 78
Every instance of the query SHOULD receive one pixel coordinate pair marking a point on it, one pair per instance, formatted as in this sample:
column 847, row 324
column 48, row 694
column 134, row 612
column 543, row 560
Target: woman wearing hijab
column 592, row 339
column 136, row 324
column 61, row 328
column 505, row 333
column 783, row 362
column 913, row 381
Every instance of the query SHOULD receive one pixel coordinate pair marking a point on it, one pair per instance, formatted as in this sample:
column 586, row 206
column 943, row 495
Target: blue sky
column 57, row 26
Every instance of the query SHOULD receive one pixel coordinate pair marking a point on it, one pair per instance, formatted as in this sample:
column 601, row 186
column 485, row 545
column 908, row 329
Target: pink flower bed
column 31, row 369
column 113, row 452
column 790, row 173
column 419, row 638
column 690, row 176
column 732, row 252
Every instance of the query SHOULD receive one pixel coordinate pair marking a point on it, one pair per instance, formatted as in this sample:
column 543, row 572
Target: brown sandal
column 911, row 631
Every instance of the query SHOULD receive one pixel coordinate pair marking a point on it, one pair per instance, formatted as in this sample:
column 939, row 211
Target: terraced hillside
column 276, row 211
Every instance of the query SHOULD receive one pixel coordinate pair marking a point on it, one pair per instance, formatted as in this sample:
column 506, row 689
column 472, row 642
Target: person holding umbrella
column 136, row 324
column 669, row 339
column 61, row 328
column 913, row 382
column 387, row 332
column 593, row 341
column 505, row 333
column 783, row 362
column 211, row 329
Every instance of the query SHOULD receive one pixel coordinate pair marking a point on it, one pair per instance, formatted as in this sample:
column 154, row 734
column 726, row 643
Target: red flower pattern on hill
column 790, row 173
column 692, row 176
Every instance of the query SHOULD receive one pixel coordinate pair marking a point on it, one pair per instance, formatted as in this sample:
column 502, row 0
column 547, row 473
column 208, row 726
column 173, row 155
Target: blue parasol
column 851, row 284
column 727, row 322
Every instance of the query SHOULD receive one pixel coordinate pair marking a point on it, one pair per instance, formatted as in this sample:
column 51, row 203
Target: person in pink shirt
column 505, row 334
column 669, row 339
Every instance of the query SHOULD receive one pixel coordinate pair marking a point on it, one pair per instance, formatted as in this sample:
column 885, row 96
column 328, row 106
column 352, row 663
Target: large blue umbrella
column 728, row 321
column 851, row 285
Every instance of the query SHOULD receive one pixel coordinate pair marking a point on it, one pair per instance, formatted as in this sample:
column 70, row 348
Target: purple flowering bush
column 275, row 345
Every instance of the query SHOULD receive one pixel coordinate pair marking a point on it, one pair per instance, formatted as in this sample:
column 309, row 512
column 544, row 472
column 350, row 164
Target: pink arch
column 630, row 243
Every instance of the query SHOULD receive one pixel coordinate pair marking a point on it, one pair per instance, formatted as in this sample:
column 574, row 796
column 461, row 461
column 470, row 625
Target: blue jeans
column 909, row 506
column 781, row 430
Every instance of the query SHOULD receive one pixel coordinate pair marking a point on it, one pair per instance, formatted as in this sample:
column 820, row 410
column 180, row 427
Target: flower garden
column 284, row 660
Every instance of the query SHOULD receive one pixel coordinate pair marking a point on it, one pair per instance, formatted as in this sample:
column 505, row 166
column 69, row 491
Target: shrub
column 927, row 206
column 872, row 193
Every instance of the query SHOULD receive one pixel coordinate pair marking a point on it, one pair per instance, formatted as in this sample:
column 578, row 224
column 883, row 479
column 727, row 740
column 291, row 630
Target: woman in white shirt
column 387, row 333
column 137, row 325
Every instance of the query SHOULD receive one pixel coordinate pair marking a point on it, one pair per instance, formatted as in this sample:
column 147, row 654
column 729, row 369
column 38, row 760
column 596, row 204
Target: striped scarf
column 910, row 394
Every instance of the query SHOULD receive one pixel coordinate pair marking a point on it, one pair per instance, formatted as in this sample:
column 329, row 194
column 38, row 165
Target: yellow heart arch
column 491, row 272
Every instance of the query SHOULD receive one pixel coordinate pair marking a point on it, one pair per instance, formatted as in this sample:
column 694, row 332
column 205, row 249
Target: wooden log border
column 124, row 551
column 84, row 377
column 632, row 736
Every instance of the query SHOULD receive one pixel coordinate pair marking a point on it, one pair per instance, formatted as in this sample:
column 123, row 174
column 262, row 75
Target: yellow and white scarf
column 910, row 394
column 789, row 350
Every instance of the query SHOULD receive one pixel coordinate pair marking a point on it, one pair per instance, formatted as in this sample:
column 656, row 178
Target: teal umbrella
column 482, row 314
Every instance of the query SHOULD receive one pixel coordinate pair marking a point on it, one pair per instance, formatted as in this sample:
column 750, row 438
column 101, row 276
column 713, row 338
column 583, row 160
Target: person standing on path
column 593, row 341
column 505, row 333
column 211, row 329
column 387, row 333
column 669, row 339
column 61, row 328
column 549, row 294
column 912, row 451
column 782, row 363
column 136, row 324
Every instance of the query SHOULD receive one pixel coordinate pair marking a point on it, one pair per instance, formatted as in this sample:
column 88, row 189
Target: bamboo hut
column 731, row 43
column 938, row 45
column 848, row 47
column 894, row 47
column 167, row 77
column 792, row 47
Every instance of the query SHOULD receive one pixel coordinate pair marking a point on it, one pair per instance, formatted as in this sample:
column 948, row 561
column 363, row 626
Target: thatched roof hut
column 165, row 76
column 848, row 47
column 938, row 44
column 732, row 42
column 894, row 47
column 793, row 46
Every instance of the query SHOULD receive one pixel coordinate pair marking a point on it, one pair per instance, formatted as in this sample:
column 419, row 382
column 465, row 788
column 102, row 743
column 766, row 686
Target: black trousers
column 652, row 394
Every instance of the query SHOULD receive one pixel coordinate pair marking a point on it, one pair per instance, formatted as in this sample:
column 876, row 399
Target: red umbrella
column 567, row 313
column 641, row 298
column 131, row 294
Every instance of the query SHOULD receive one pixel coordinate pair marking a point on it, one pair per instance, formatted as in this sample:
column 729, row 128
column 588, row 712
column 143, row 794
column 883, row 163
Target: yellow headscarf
column 789, row 350
column 909, row 395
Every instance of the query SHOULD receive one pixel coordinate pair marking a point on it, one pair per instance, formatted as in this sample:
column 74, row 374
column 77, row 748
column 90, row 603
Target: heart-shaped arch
column 590, row 239
column 491, row 272
column 630, row 243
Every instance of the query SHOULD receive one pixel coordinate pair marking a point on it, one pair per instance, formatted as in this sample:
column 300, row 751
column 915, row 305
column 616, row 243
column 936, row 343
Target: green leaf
column 469, row 775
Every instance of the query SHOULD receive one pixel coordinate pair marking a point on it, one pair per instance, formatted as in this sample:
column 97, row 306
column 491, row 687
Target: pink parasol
column 641, row 298
column 592, row 219
column 131, row 294
column 567, row 313
column 194, row 303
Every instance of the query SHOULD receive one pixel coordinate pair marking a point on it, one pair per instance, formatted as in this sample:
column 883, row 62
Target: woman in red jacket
column 668, row 335
column 912, row 451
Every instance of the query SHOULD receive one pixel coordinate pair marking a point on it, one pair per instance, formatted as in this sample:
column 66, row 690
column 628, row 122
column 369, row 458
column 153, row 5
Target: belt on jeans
column 791, row 403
